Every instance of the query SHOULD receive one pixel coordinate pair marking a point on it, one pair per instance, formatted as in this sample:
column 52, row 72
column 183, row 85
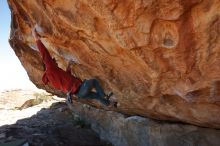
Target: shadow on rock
column 54, row 126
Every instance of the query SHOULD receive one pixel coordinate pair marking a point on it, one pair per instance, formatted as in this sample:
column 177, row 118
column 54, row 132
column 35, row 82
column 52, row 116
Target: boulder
column 123, row 130
column 160, row 57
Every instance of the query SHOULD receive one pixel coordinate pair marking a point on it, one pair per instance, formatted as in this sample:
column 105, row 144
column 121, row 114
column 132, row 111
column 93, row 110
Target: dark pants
column 85, row 91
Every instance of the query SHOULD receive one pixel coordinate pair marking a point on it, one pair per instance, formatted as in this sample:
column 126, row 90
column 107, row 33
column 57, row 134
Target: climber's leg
column 85, row 91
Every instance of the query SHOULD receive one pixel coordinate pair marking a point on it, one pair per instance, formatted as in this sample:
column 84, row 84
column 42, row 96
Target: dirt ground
column 48, row 124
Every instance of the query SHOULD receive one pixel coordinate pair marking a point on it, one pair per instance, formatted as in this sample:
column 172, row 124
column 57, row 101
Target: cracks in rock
column 214, row 32
column 113, row 5
column 141, row 13
column 120, row 22
column 215, row 91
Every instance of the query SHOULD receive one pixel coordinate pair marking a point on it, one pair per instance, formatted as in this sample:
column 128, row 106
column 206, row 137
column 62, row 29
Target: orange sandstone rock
column 160, row 57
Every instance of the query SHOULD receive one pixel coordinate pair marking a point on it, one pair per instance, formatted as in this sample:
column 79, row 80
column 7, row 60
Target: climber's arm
column 45, row 79
column 35, row 34
column 47, row 59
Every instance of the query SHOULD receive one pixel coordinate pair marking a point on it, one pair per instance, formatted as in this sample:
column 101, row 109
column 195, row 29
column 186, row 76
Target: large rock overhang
column 160, row 58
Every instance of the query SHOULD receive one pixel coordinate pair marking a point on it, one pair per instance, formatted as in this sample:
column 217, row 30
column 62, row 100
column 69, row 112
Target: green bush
column 40, row 97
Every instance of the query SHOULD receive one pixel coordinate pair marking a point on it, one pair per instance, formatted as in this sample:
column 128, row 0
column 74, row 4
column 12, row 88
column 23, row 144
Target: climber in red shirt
column 65, row 81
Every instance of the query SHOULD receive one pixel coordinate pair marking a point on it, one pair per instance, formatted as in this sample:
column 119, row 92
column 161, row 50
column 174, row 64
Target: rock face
column 121, row 130
column 160, row 57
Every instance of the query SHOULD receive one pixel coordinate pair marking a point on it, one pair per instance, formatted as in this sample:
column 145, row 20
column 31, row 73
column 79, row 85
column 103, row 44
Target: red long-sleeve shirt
column 58, row 78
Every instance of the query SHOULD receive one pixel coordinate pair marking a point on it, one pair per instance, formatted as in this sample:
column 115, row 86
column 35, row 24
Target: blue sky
column 12, row 74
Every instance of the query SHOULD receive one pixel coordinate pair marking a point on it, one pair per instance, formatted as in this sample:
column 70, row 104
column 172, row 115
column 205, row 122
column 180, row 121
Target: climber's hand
column 35, row 34
column 72, row 62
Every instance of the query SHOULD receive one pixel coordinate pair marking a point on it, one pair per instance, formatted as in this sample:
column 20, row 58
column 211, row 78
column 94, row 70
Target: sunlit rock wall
column 160, row 57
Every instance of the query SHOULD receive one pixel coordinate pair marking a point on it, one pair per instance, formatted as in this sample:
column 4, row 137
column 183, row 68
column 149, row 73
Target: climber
column 66, row 82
